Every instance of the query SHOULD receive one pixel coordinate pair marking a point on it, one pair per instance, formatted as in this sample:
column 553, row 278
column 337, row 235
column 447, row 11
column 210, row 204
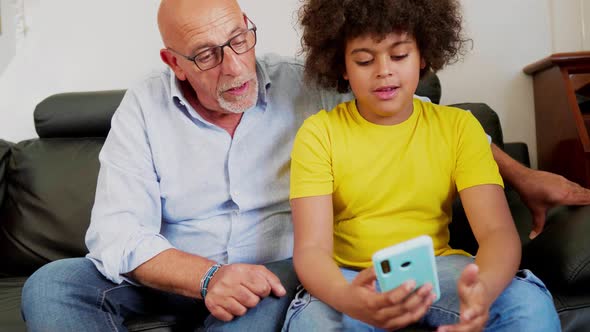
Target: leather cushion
column 573, row 309
column 49, row 198
column 561, row 263
column 77, row 114
column 10, row 298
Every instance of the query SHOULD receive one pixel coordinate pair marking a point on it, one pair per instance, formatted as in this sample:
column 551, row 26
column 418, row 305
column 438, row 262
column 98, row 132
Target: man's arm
column 234, row 289
column 173, row 271
column 124, row 239
column 539, row 190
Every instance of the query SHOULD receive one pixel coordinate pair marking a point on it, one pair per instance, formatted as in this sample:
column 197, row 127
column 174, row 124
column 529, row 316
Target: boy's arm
column 313, row 247
column 497, row 258
column 499, row 250
column 319, row 274
column 539, row 190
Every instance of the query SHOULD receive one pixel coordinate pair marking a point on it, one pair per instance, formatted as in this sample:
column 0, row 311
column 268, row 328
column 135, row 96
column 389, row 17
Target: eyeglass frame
column 221, row 47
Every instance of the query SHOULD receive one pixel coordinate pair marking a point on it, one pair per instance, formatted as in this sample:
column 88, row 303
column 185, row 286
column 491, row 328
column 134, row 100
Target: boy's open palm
column 390, row 310
column 474, row 302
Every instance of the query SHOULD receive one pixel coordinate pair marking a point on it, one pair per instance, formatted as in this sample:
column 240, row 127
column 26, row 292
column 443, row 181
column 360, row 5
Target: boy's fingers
column 366, row 276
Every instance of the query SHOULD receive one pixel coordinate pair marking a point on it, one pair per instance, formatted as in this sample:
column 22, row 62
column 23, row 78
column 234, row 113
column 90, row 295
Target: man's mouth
column 238, row 90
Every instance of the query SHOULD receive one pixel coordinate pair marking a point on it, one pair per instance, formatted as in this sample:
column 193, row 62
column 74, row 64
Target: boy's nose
column 384, row 73
column 384, row 68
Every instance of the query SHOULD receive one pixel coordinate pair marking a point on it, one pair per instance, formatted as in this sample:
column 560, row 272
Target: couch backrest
column 429, row 86
column 51, row 181
column 77, row 114
column 4, row 155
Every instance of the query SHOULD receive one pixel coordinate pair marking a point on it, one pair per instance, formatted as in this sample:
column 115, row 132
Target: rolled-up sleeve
column 126, row 218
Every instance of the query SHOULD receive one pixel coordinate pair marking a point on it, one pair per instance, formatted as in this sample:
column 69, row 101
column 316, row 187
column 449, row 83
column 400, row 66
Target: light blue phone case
column 412, row 259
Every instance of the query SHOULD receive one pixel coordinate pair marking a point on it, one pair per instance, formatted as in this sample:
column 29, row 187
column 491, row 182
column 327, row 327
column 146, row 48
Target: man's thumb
column 538, row 223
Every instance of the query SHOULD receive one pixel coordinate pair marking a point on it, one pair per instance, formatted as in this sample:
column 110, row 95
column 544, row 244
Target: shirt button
column 236, row 193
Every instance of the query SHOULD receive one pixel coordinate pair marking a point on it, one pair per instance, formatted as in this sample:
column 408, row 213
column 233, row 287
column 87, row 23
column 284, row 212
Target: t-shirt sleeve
column 311, row 159
column 475, row 164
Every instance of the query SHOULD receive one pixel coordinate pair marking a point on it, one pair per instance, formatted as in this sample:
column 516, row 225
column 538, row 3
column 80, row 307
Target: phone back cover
column 416, row 262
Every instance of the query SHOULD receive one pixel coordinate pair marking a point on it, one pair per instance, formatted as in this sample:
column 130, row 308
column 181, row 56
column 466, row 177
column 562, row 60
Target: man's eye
column 239, row 42
column 399, row 57
column 206, row 57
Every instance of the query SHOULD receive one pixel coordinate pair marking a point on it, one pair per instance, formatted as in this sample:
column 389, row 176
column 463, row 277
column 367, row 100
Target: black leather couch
column 47, row 187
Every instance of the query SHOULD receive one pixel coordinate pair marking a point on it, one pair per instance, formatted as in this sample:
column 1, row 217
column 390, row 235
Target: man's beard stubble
column 242, row 103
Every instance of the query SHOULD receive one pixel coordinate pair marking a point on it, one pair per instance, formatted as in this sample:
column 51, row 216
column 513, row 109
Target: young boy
column 385, row 168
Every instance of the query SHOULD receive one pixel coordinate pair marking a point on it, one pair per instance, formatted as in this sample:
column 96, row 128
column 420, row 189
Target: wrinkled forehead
column 212, row 25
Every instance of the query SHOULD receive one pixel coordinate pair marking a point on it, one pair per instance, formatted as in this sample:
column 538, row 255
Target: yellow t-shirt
column 390, row 183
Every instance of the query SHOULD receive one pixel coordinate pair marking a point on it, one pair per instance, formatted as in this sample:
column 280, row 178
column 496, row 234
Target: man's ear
column 172, row 61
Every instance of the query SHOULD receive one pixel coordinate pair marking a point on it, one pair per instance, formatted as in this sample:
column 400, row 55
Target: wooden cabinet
column 562, row 114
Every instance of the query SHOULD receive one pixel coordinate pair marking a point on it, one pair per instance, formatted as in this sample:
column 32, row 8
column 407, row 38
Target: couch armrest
column 560, row 255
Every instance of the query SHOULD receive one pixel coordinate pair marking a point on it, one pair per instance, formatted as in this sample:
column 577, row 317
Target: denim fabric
column 72, row 295
column 525, row 305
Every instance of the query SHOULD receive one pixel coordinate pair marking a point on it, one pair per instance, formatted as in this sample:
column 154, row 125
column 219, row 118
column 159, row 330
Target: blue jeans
column 71, row 295
column 525, row 305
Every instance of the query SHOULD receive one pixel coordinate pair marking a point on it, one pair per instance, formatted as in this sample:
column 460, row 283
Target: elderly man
column 192, row 206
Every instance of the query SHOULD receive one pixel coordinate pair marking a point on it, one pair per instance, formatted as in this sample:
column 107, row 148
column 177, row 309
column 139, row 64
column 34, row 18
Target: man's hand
column 475, row 302
column 391, row 310
column 236, row 288
column 541, row 191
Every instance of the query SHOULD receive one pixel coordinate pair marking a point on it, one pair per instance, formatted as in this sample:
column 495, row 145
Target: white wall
column 76, row 45
column 7, row 34
column 507, row 35
column 585, row 24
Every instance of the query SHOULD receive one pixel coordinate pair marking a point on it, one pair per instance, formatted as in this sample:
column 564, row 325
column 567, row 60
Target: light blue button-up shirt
column 170, row 179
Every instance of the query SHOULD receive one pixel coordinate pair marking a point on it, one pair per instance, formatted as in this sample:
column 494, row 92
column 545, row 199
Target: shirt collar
column 264, row 82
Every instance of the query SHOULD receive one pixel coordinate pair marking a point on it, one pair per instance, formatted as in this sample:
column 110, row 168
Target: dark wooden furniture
column 561, row 86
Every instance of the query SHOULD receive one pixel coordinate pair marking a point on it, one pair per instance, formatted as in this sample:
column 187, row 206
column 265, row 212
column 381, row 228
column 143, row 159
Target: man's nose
column 231, row 65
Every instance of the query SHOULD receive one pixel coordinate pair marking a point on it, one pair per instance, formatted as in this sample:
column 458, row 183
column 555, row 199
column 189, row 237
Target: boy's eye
column 363, row 63
column 399, row 57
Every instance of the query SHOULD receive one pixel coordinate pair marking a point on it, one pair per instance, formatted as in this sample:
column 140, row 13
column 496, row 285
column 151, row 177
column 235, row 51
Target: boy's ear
column 422, row 63
column 345, row 75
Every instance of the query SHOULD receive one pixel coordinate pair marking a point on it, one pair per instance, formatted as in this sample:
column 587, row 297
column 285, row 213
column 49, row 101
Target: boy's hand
column 391, row 310
column 474, row 302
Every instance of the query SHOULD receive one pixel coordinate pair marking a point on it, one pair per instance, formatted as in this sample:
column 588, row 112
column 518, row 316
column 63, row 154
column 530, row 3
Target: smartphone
column 409, row 260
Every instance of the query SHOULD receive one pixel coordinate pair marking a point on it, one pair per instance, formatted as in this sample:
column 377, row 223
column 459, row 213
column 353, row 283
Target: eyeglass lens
column 240, row 44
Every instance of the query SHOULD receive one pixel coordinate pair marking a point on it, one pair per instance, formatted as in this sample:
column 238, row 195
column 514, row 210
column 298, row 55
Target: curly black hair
column 327, row 25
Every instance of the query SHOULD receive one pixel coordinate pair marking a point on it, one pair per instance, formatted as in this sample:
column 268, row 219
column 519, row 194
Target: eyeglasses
column 213, row 56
